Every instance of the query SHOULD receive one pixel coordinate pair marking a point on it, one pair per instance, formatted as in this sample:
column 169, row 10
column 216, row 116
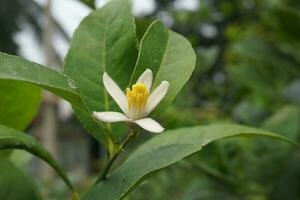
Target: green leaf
column 285, row 122
column 89, row 3
column 169, row 55
column 14, row 139
column 104, row 42
column 164, row 150
column 142, row 25
column 14, row 184
column 19, row 69
column 19, row 103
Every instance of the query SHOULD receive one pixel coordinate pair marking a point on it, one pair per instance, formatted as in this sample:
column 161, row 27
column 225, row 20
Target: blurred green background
column 248, row 71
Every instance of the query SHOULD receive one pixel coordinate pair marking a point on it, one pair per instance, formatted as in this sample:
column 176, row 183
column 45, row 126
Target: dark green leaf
column 90, row 3
column 104, row 42
column 163, row 151
column 14, row 184
column 13, row 139
column 16, row 68
column 169, row 55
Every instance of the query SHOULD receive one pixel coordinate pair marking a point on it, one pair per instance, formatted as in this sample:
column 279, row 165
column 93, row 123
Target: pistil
column 137, row 98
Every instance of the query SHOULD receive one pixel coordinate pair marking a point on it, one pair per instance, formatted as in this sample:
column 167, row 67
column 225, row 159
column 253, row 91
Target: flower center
column 137, row 98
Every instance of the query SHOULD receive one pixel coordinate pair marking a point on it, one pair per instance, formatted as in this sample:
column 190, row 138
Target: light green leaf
column 13, row 139
column 14, row 184
column 19, row 69
column 169, row 55
column 19, row 103
column 104, row 42
column 164, row 150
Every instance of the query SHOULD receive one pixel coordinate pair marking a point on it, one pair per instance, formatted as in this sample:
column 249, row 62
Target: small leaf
column 164, row 150
column 169, row 55
column 19, row 103
column 14, row 184
column 13, row 139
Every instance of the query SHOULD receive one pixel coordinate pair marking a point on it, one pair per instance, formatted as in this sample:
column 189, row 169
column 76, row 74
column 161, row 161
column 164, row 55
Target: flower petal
column 150, row 125
column 156, row 96
column 115, row 92
column 146, row 78
column 111, row 116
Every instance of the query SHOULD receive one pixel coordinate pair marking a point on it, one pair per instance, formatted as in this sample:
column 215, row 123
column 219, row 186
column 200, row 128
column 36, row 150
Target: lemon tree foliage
column 170, row 57
column 15, row 113
column 19, row 69
column 15, row 184
column 164, row 150
column 106, row 41
column 14, row 139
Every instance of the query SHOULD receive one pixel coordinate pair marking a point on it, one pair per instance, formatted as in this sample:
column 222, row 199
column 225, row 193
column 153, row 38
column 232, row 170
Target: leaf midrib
column 140, row 51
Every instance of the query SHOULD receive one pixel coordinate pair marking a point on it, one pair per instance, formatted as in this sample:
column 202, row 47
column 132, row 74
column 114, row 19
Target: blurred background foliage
column 248, row 71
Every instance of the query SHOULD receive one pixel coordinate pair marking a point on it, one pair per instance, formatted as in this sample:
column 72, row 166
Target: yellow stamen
column 137, row 98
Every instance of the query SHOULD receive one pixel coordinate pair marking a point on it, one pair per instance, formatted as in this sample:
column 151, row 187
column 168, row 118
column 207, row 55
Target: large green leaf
column 19, row 69
column 16, row 68
column 169, row 55
column 104, row 42
column 19, row 103
column 14, row 184
column 164, row 150
column 13, row 139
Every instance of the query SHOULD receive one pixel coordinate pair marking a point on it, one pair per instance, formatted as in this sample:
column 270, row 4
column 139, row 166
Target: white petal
column 111, row 116
column 115, row 92
column 156, row 96
column 150, row 125
column 146, row 78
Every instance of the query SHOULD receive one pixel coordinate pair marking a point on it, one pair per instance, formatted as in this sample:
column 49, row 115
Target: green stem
column 112, row 159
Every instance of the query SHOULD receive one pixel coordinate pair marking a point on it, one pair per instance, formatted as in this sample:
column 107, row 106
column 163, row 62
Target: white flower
column 137, row 103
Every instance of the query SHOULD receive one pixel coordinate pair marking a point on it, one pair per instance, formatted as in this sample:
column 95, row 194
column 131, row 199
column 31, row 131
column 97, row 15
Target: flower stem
column 113, row 157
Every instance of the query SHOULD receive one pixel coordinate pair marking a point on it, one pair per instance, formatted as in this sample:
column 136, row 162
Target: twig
column 112, row 159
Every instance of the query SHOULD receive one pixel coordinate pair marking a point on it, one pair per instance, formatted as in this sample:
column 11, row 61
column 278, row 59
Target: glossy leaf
column 163, row 151
column 169, row 55
column 13, row 139
column 16, row 68
column 19, row 69
column 104, row 42
column 19, row 103
column 14, row 184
